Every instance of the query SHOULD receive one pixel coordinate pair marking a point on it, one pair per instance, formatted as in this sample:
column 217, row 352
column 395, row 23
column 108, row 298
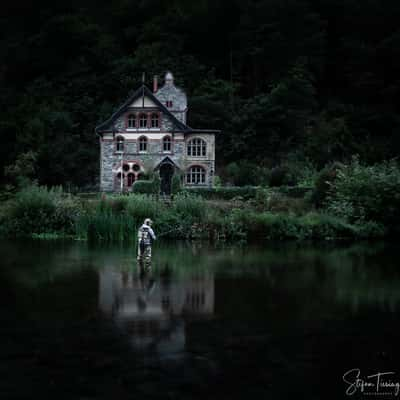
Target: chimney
column 155, row 83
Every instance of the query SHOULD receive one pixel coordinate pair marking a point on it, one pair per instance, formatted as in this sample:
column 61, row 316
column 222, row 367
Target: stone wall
column 169, row 92
column 111, row 160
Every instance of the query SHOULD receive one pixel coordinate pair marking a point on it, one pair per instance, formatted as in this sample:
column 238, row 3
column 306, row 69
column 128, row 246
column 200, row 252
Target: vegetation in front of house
column 357, row 201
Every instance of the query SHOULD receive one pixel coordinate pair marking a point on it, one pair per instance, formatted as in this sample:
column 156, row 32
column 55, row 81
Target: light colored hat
column 148, row 221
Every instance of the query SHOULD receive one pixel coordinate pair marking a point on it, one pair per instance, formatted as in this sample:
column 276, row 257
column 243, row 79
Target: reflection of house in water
column 152, row 312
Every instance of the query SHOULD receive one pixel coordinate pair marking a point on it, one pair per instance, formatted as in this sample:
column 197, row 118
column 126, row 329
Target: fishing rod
column 179, row 228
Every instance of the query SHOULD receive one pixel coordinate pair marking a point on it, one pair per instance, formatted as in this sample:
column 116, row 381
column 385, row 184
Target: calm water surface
column 274, row 321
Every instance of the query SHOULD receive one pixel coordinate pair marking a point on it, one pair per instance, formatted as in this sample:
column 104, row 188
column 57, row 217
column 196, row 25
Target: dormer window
column 169, row 103
column 120, row 143
column 155, row 120
column 131, row 121
column 142, row 121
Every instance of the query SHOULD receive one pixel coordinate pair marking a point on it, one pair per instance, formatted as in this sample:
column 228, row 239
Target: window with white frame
column 120, row 143
column 196, row 147
column 167, row 143
column 142, row 121
column 155, row 120
column 143, row 143
column 196, row 175
column 131, row 121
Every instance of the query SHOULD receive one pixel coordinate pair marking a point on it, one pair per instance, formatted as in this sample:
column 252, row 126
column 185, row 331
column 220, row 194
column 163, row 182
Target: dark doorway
column 166, row 173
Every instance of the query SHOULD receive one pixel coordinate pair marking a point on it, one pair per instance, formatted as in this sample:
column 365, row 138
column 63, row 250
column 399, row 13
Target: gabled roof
column 142, row 91
column 166, row 160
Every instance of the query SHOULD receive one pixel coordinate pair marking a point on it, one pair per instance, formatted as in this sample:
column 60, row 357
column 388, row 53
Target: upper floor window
column 168, row 103
column 154, row 120
column 131, row 120
column 142, row 121
column 196, row 175
column 196, row 148
column 120, row 143
column 143, row 143
column 167, row 143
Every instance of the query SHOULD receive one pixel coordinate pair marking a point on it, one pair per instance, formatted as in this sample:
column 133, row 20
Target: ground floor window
column 196, row 175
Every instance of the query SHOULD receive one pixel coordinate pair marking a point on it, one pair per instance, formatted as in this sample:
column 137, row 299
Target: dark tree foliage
column 317, row 78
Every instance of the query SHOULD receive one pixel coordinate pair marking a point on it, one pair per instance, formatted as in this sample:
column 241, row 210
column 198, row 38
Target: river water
column 278, row 321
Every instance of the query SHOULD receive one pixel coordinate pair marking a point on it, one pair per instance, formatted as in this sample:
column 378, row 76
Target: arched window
column 196, row 148
column 154, row 121
column 120, row 143
column 142, row 121
column 131, row 179
column 167, row 143
column 131, row 121
column 196, row 175
column 143, row 143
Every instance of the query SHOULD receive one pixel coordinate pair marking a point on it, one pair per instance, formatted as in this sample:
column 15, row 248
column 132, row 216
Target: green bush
column 176, row 185
column 280, row 176
column 287, row 226
column 147, row 187
column 323, row 184
column 37, row 209
column 363, row 193
column 245, row 173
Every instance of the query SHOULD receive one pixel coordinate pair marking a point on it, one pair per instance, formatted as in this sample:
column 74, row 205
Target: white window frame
column 196, row 147
column 196, row 175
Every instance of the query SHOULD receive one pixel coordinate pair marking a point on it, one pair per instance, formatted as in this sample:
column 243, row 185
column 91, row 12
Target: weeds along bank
column 42, row 212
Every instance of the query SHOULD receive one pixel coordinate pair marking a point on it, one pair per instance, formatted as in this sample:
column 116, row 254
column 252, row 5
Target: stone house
column 149, row 134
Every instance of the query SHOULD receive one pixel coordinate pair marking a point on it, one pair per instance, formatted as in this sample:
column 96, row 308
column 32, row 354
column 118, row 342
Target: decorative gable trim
column 143, row 91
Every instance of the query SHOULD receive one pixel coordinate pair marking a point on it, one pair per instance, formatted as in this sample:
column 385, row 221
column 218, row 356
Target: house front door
column 166, row 173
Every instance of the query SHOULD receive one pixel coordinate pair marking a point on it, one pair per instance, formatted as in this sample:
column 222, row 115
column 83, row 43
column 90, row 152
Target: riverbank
column 44, row 213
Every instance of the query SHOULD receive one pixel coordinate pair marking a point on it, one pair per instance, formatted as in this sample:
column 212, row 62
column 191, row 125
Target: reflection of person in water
column 146, row 284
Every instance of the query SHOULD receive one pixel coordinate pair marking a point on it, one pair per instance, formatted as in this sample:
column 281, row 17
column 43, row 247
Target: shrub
column 156, row 184
column 287, row 226
column 280, row 176
column 143, row 187
column 245, row 173
column 37, row 209
column 176, row 185
column 367, row 193
column 323, row 184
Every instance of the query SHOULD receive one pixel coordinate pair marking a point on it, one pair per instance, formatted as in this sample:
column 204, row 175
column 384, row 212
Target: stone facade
column 149, row 134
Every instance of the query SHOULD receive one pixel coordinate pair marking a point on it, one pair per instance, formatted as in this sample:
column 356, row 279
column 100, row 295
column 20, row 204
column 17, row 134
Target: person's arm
column 153, row 236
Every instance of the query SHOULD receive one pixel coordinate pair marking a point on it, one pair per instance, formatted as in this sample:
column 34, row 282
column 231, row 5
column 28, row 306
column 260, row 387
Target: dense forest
column 285, row 80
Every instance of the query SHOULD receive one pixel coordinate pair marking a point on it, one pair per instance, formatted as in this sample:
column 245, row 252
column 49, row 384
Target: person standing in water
column 146, row 236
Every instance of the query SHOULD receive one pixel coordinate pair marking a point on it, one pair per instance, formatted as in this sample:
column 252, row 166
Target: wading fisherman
column 146, row 237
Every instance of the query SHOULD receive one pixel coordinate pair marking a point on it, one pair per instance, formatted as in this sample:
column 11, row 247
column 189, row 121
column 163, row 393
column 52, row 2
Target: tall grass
column 39, row 212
